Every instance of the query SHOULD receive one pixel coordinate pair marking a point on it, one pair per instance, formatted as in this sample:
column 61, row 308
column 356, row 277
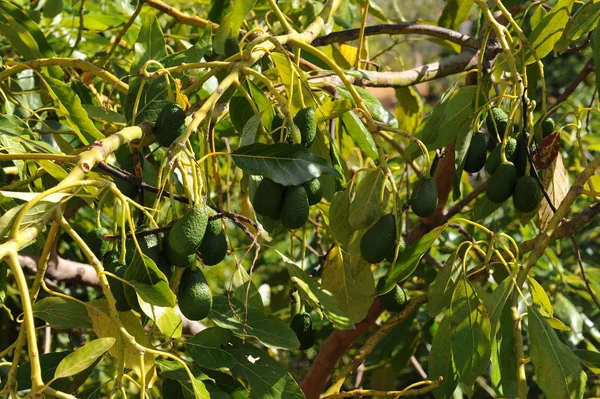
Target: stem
column 520, row 354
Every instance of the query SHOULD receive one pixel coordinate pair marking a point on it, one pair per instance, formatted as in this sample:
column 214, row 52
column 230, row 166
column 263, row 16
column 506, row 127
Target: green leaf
column 504, row 356
column 240, row 111
column 596, row 50
column 216, row 348
column 409, row 259
column 350, row 282
column 286, row 164
column 409, row 108
column 470, row 333
column 268, row 329
column 369, row 204
column 483, row 208
column 291, row 80
column 359, row 133
column 250, row 130
column 549, row 30
column 455, row 12
column 339, row 217
column 589, row 359
column 83, row 357
column 333, row 109
column 494, row 302
column 265, row 106
column 441, row 289
column 440, row 361
column 191, row 389
column 41, row 210
column 70, row 108
column 48, row 363
column 149, row 282
column 319, row 299
column 449, row 118
column 104, row 115
column 166, row 319
column 62, row 313
column 149, row 45
column 557, row 369
column 583, row 22
column 153, row 98
column 377, row 110
column 539, row 297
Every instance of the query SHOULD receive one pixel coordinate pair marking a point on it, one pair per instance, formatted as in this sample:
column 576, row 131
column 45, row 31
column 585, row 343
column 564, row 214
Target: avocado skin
column 306, row 121
column 302, row 325
column 112, row 265
column 187, row 233
column 493, row 161
column 177, row 260
column 268, row 198
column 393, row 300
column 379, row 240
column 476, row 154
column 502, row 183
column 401, row 248
column 527, row 195
column 213, row 248
column 424, row 198
column 169, row 125
column 195, row 297
column 95, row 240
column 294, row 208
column 547, row 127
column 314, row 191
column 501, row 118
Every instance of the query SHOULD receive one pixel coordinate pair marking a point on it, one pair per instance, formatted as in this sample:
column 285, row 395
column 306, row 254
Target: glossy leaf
column 583, row 22
column 62, row 313
column 150, row 43
column 360, row 134
column 441, row 363
column 504, row 357
column 149, row 282
column 166, row 319
column 291, row 80
column 370, row 200
column 377, row 110
column 539, row 296
column 549, row 30
column 83, row 357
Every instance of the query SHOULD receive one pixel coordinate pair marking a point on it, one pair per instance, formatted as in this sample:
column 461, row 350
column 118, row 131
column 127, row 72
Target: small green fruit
column 195, row 298
column 493, row 161
column 394, row 300
column 306, row 120
column 379, row 240
column 169, row 125
column 302, row 325
column 497, row 129
column 424, row 198
column 213, row 248
column 268, row 198
column 476, row 154
column 502, row 183
column 95, row 240
column 294, row 207
column 314, row 191
column 187, row 233
column 527, row 194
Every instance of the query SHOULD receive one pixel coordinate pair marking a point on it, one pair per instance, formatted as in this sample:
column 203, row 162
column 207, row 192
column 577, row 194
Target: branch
column 399, row 29
column 63, row 270
column 431, row 385
column 191, row 20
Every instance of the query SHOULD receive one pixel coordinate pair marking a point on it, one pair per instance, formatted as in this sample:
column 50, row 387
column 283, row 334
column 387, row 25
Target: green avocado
column 424, row 198
column 169, row 125
column 493, row 160
column 527, row 194
column 294, row 208
column 112, row 265
column 314, row 191
column 177, row 260
column 547, row 127
column 194, row 296
column 268, row 198
column 306, row 121
column 213, row 248
column 502, row 183
column 476, row 154
column 496, row 122
column 187, row 233
column 394, row 300
column 379, row 240
column 302, row 325
column 95, row 240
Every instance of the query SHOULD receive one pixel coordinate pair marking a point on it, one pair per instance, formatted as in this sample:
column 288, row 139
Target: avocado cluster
column 380, row 241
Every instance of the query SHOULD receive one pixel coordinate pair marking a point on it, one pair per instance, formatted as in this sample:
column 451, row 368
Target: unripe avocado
column 527, row 194
column 379, row 240
column 232, row 47
column 294, row 207
column 476, row 154
column 112, row 265
column 178, row 260
column 213, row 227
column 500, row 118
column 213, row 248
column 424, row 198
column 302, row 325
column 502, row 183
column 187, row 233
column 306, row 120
column 95, row 240
column 547, row 127
column 394, row 300
column 314, row 191
column 493, row 161
column 401, row 248
column 268, row 198
column 169, row 125
column 194, row 296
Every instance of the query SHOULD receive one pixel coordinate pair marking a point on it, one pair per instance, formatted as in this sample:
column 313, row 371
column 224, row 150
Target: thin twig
column 431, row 385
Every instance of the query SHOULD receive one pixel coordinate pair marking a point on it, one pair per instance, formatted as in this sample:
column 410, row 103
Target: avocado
column 232, row 47
column 306, row 121
column 547, row 127
column 302, row 325
column 169, row 125
column 112, row 265
column 379, row 240
column 314, row 191
column 500, row 118
column 394, row 300
column 187, row 233
column 401, row 247
column 424, row 198
column 527, row 194
column 95, row 240
column 194, row 296
column 178, row 260
column 476, row 154
column 502, row 183
column 521, row 155
column 294, row 207
column 268, row 198
column 493, row 160
column 213, row 248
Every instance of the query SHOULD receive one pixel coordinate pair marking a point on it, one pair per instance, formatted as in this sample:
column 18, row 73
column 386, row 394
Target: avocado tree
column 207, row 199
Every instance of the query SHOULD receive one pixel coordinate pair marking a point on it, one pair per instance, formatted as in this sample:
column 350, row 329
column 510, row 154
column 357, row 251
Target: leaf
column 70, row 108
column 547, row 151
column 240, row 111
column 166, row 319
column 83, row 357
column 557, row 324
column 216, row 349
column 451, row 116
column 149, row 282
column 268, row 329
column 41, row 210
column 549, row 30
column 377, row 110
column 62, row 313
column 504, row 357
column 149, row 45
column 470, row 333
column 483, row 208
column 441, row 289
column 369, row 203
column 351, row 283
column 291, row 80
column 191, row 389
column 596, row 50
column 583, row 22
column 153, row 98
column 589, row 359
column 555, row 181
column 440, row 361
column 48, row 363
column 557, row 369
column 537, row 16
column 333, row 109
column 250, row 130
column 339, row 216
column 494, row 302
column 265, row 106
column 314, row 295
column 455, row 12
column 286, row 164
column 359, row 133
column 409, row 108
column 539, row 296
column 409, row 259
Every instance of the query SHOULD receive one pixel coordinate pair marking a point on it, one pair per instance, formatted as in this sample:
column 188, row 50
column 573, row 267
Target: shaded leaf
column 504, row 357
column 339, row 217
column 483, row 208
column 149, row 282
column 440, row 361
column 153, row 98
column 455, row 12
column 441, row 289
column 62, row 313
column 494, row 302
column 589, row 359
